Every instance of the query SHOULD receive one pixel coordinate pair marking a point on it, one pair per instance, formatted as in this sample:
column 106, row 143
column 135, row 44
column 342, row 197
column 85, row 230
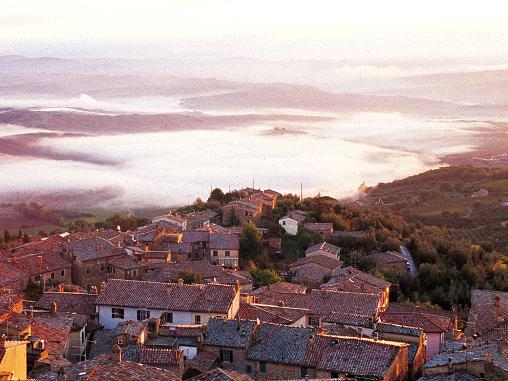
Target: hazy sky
column 265, row 29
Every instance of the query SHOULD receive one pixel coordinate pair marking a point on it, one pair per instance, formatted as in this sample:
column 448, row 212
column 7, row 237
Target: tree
column 250, row 241
column 217, row 194
column 265, row 277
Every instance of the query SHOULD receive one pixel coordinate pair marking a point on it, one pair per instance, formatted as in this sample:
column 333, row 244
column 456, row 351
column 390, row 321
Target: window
column 248, row 368
column 334, row 375
column 314, row 321
column 117, row 313
column 197, row 319
column 246, row 213
column 143, row 315
column 62, row 272
column 215, row 253
column 52, row 275
column 304, row 371
column 134, row 273
column 128, row 272
column 88, row 288
column 88, row 269
column 228, row 253
column 83, row 336
column 226, row 355
column 262, row 367
column 37, row 278
column 103, row 267
column 167, row 317
column 283, row 222
column 119, row 341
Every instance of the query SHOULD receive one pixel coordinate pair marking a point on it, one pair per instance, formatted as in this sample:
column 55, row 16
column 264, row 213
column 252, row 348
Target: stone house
column 173, row 303
column 323, row 229
column 353, row 280
column 325, row 249
column 391, row 261
column 13, row 359
column 90, row 259
column 238, row 211
column 224, row 250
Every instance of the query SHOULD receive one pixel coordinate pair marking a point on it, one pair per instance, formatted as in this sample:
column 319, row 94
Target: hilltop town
column 253, row 285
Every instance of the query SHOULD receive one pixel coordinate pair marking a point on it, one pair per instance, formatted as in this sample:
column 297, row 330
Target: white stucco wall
column 179, row 317
column 289, row 225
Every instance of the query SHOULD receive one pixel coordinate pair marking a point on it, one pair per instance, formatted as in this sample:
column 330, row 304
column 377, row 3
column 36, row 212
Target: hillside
column 451, row 197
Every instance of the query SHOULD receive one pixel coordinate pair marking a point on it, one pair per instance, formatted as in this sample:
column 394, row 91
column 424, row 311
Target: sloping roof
column 253, row 312
column 55, row 330
column 219, row 374
column 168, row 296
column 282, row 287
column 182, row 330
column 198, row 218
column 322, row 302
column 92, row 248
column 351, row 279
column 127, row 262
column 397, row 329
column 489, row 309
column 319, row 226
column 229, row 333
column 80, row 303
column 224, row 241
column 324, row 246
column 280, row 344
column 10, row 274
column 8, row 300
column 161, row 356
column 319, row 259
column 42, row 262
column 428, row 323
column 349, row 319
column 353, row 356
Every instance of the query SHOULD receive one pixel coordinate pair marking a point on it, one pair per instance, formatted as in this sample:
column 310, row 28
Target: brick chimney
column 54, row 307
column 180, row 281
column 93, row 290
column 61, row 288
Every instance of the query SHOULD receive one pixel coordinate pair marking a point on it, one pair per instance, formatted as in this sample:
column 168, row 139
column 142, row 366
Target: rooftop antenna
column 253, row 184
column 301, row 191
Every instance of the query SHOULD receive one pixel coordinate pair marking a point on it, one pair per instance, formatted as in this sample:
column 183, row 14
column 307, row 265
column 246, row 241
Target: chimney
column 180, row 281
column 61, row 376
column 61, row 288
column 237, row 286
column 93, row 290
column 450, row 363
column 496, row 300
column 214, row 281
column 281, row 303
column 54, row 307
column 14, row 260
column 103, row 286
column 146, row 248
column 117, row 353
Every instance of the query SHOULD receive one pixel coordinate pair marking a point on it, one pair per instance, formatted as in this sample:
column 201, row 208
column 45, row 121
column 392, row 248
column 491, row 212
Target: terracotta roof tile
column 168, row 296
column 80, row 303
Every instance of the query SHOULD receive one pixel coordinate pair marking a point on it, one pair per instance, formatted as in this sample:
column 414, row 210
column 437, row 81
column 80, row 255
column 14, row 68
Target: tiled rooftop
column 161, row 356
column 280, row 344
column 229, row 333
column 324, row 246
column 92, row 248
column 166, row 296
column 323, row 302
column 219, row 374
column 80, row 303
column 353, row 356
column 351, row 279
